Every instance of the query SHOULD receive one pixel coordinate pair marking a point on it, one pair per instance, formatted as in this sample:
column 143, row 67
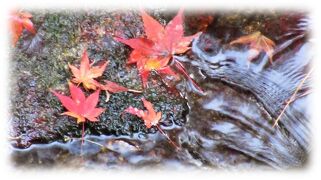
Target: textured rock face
column 230, row 126
column 40, row 64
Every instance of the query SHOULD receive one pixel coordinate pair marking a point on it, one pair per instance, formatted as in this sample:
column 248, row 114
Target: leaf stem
column 82, row 133
column 172, row 142
column 82, row 137
column 179, row 66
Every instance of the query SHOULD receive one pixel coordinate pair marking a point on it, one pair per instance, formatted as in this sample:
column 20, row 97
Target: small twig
column 93, row 142
column 98, row 144
column 107, row 96
column 305, row 94
column 300, row 96
column 134, row 91
column 292, row 98
column 173, row 143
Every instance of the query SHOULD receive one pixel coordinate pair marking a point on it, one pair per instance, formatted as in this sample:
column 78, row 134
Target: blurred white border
column 312, row 171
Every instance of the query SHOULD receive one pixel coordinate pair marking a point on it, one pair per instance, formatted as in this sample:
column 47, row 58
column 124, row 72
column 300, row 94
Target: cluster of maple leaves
column 153, row 52
column 78, row 106
column 156, row 50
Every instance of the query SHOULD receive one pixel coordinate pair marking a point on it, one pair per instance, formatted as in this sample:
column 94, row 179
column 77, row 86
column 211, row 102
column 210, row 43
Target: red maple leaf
column 154, row 51
column 111, row 87
column 79, row 106
column 150, row 117
column 114, row 87
column 18, row 22
column 257, row 43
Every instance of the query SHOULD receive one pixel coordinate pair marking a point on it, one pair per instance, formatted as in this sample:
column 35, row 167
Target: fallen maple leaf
column 86, row 72
column 257, row 42
column 114, row 87
column 150, row 117
column 79, row 106
column 111, row 87
column 18, row 22
column 154, row 51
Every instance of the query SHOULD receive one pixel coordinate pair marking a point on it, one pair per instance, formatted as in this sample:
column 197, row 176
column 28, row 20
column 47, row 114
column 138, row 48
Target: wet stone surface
column 36, row 112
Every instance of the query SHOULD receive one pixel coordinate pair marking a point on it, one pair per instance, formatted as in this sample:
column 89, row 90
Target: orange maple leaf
column 86, row 72
column 150, row 116
column 18, row 22
column 79, row 106
column 257, row 43
column 154, row 51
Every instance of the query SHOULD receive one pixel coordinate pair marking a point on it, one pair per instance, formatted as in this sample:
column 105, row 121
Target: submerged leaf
column 257, row 42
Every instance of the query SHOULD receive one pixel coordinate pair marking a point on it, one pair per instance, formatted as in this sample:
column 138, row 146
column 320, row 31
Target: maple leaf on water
column 149, row 116
column 87, row 73
column 79, row 106
column 18, row 22
column 257, row 42
column 155, row 51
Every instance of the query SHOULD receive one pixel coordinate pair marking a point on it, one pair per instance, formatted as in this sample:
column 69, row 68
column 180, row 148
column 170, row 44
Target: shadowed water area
column 229, row 125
